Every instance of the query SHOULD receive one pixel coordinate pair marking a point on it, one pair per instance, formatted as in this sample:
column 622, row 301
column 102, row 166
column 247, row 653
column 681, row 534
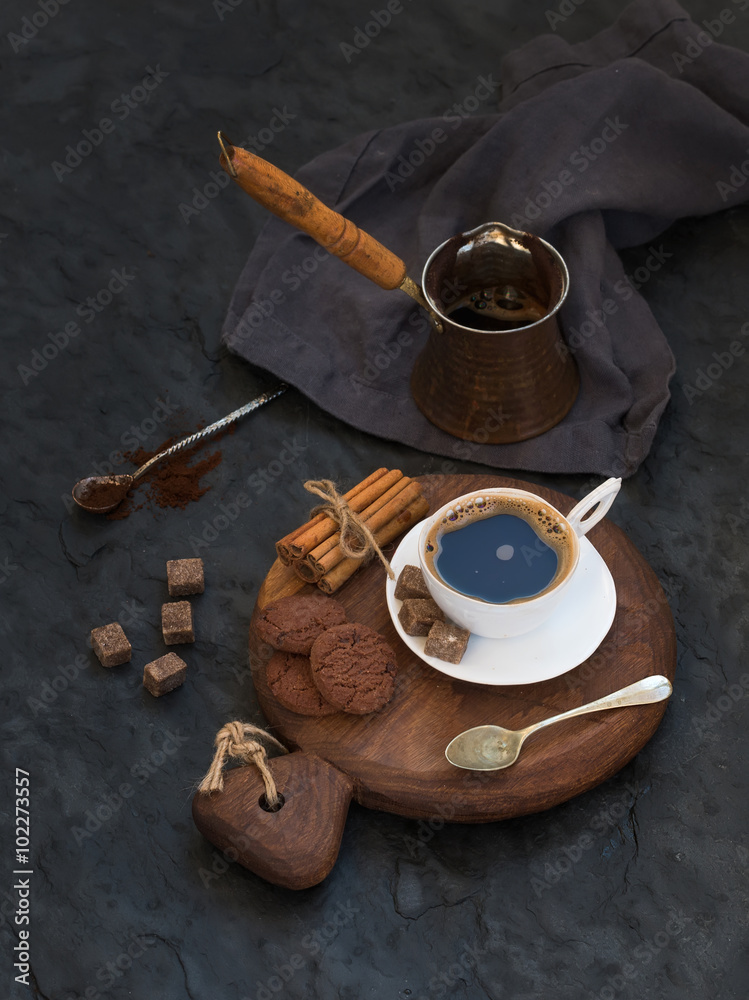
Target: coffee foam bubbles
column 542, row 517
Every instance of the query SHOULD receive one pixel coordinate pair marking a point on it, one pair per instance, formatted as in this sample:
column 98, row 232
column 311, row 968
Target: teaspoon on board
column 491, row 748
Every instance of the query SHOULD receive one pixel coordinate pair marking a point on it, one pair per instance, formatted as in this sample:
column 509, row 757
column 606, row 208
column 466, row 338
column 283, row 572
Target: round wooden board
column 396, row 757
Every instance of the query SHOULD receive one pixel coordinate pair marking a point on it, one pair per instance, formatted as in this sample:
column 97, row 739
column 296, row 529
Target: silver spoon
column 100, row 494
column 490, row 748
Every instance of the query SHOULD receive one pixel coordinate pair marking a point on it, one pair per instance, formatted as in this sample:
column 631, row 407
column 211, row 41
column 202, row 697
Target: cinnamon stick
column 283, row 545
column 418, row 509
column 308, row 571
column 316, row 533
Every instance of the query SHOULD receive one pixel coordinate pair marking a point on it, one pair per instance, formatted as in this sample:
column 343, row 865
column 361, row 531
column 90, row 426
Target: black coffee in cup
column 500, row 550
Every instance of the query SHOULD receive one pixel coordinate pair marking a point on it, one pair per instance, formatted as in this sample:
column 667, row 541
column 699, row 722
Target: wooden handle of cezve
column 293, row 203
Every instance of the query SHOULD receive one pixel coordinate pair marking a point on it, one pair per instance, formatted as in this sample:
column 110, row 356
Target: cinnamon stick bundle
column 300, row 545
column 346, row 568
column 323, row 559
column 314, row 565
column 386, row 503
column 283, row 546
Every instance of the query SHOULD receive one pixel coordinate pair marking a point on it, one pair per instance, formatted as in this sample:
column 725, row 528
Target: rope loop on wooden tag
column 234, row 741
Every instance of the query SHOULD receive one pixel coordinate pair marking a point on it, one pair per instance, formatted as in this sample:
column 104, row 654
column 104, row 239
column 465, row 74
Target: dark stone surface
column 639, row 887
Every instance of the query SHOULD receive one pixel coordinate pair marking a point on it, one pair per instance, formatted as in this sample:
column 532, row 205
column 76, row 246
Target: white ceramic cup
column 500, row 621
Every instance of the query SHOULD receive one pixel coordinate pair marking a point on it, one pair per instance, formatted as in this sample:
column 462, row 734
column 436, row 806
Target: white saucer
column 576, row 628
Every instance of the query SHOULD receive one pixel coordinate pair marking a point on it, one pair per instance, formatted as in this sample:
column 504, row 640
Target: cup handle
column 598, row 501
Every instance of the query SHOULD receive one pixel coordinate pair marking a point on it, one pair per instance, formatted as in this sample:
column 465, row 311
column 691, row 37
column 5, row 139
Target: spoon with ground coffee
column 101, row 494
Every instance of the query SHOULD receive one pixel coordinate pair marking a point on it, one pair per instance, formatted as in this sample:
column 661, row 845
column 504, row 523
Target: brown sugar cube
column 176, row 622
column 164, row 674
column 411, row 583
column 447, row 642
column 184, row 577
column 111, row 645
column 417, row 616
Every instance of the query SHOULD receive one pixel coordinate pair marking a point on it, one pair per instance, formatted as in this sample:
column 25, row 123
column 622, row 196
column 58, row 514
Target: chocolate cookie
column 289, row 677
column 293, row 623
column 354, row 668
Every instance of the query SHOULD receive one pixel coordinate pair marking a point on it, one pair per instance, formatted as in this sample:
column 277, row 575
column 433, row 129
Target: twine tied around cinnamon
column 356, row 540
column 234, row 741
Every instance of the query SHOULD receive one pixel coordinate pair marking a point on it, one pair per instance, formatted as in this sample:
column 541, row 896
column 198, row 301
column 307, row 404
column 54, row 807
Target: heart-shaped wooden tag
column 296, row 846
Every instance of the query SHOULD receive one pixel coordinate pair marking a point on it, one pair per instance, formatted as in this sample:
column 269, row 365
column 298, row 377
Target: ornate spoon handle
column 644, row 692
column 219, row 425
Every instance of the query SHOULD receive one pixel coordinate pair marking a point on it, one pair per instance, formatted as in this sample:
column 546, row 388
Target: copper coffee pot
column 495, row 368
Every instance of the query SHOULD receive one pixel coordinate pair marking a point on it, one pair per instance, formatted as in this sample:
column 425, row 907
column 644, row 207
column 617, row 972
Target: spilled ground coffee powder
column 176, row 482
